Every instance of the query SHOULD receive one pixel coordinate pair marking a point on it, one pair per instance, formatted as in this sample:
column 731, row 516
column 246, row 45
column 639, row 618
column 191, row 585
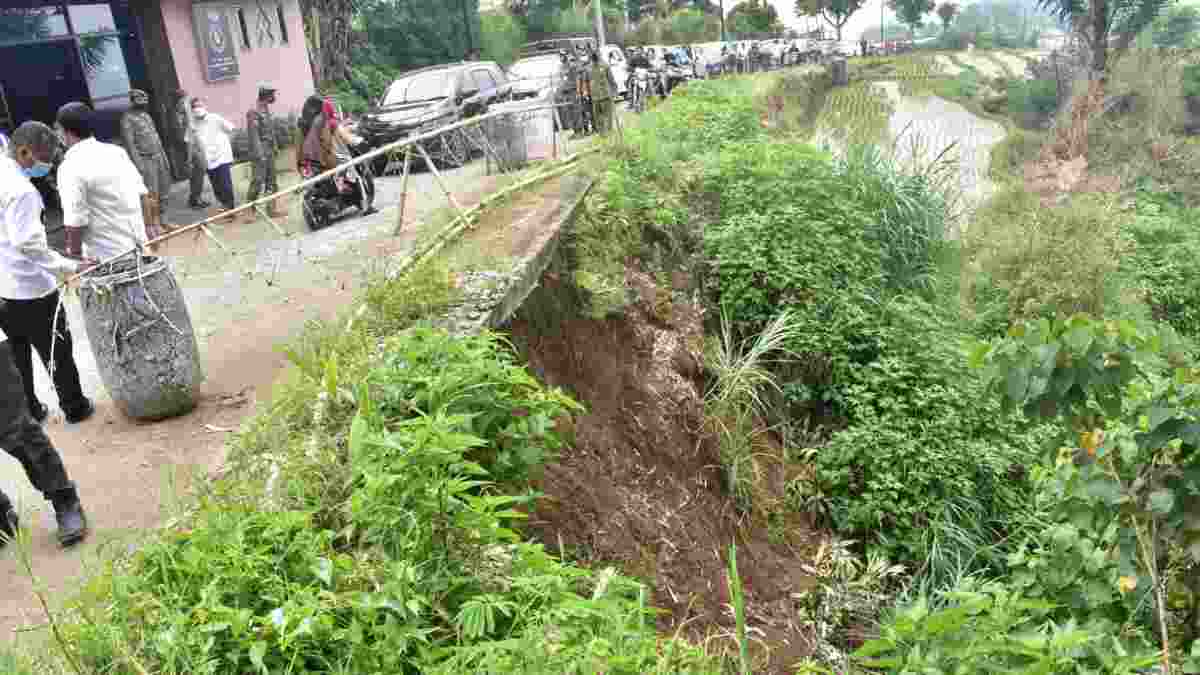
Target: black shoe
column 199, row 204
column 80, row 413
column 39, row 412
column 72, row 521
column 9, row 522
column 370, row 210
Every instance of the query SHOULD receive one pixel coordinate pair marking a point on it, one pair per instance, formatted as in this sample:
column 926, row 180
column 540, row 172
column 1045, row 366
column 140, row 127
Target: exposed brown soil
column 640, row 485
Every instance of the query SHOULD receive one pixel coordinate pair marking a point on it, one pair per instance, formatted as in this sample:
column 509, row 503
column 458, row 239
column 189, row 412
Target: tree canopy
column 751, row 17
column 834, row 12
column 1178, row 27
column 911, row 12
column 946, row 12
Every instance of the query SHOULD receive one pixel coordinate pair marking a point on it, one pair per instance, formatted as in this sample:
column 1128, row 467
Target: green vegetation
column 396, row 461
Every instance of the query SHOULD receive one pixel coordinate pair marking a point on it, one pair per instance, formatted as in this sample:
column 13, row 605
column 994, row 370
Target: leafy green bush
column 988, row 628
column 1032, row 102
column 849, row 249
column 388, row 541
column 1046, row 261
column 927, row 469
column 1163, row 263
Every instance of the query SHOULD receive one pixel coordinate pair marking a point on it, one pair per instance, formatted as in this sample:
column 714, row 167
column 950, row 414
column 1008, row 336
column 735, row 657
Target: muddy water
column 925, row 128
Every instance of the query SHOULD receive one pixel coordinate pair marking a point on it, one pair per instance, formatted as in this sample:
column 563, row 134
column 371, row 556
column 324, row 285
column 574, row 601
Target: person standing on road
column 145, row 147
column 29, row 271
column 603, row 85
column 101, row 191
column 197, row 164
column 213, row 135
column 260, row 128
column 23, row 438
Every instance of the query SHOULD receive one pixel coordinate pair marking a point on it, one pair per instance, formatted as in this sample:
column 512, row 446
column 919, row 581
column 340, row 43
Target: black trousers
column 28, row 325
column 222, row 183
column 24, row 439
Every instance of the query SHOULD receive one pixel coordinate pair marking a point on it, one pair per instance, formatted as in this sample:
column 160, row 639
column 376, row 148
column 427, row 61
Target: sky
column 861, row 20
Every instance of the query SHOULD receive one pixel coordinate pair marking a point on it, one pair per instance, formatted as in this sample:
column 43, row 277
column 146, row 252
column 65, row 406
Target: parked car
column 425, row 99
column 537, row 77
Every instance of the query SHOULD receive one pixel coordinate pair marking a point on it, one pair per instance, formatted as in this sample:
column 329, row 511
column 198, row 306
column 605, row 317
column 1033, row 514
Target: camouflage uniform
column 602, row 104
column 260, row 128
column 570, row 96
column 145, row 148
column 583, row 101
column 197, row 164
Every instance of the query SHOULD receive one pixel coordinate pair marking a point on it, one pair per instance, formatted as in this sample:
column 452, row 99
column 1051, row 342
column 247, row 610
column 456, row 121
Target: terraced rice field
column 980, row 62
column 853, row 114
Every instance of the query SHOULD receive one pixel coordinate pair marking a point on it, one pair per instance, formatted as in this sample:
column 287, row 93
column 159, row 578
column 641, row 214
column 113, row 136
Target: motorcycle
column 325, row 201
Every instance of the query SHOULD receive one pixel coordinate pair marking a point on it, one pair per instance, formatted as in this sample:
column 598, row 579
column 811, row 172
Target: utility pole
column 882, row 30
column 722, row 6
column 466, row 24
column 599, row 22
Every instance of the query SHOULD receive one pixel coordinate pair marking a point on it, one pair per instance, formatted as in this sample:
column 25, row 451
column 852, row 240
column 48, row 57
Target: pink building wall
column 286, row 65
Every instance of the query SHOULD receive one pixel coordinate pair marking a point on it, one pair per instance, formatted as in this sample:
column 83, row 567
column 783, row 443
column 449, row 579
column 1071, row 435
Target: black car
column 425, row 99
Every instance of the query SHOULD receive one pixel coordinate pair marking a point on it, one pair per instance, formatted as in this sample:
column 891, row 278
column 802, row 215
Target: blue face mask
column 38, row 170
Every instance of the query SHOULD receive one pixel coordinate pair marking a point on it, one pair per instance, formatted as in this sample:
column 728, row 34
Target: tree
column 835, row 12
column 754, row 17
column 501, row 36
column 911, row 13
column 946, row 12
column 1178, row 27
column 327, row 26
column 1105, row 25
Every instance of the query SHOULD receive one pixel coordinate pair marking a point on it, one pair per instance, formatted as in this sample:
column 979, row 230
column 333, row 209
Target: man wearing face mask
column 195, row 151
column 28, row 275
column 28, row 288
column 213, row 132
column 145, row 148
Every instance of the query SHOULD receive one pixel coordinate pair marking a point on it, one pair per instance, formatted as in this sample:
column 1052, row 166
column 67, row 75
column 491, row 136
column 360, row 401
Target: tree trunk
column 327, row 29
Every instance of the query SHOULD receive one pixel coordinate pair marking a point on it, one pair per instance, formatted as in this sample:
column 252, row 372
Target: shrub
column 926, row 470
column 989, row 628
column 1045, row 261
column 1032, row 102
column 388, row 544
column 1163, row 263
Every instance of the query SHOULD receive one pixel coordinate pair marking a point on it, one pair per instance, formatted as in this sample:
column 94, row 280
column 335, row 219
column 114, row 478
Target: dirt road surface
column 243, row 307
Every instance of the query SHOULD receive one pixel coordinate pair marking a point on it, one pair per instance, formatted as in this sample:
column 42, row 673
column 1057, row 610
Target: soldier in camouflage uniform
column 197, row 165
column 601, row 90
column 260, row 129
column 583, row 97
column 569, row 94
column 145, row 147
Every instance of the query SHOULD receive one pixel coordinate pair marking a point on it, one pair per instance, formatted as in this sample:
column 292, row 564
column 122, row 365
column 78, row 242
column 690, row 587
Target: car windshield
column 425, row 87
column 536, row 69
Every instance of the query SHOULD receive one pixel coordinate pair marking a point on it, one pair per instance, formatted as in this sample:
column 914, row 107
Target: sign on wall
column 214, row 36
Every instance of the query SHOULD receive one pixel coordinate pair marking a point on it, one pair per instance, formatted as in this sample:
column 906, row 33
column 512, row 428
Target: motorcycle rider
column 326, row 141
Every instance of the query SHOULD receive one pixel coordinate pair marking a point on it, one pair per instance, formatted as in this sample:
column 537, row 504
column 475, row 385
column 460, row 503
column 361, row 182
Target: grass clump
column 1024, row 260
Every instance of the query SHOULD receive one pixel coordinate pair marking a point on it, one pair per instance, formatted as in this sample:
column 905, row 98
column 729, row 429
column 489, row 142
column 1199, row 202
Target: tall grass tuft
column 737, row 400
column 912, row 201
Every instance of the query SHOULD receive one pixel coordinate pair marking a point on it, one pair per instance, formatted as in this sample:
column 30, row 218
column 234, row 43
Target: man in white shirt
column 28, row 297
column 101, row 191
column 29, row 271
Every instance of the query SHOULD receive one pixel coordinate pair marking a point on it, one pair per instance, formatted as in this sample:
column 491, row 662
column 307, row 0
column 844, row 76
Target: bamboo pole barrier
column 403, row 192
column 324, row 175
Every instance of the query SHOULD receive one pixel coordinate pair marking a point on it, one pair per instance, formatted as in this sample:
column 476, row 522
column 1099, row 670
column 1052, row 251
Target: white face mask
column 199, row 113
